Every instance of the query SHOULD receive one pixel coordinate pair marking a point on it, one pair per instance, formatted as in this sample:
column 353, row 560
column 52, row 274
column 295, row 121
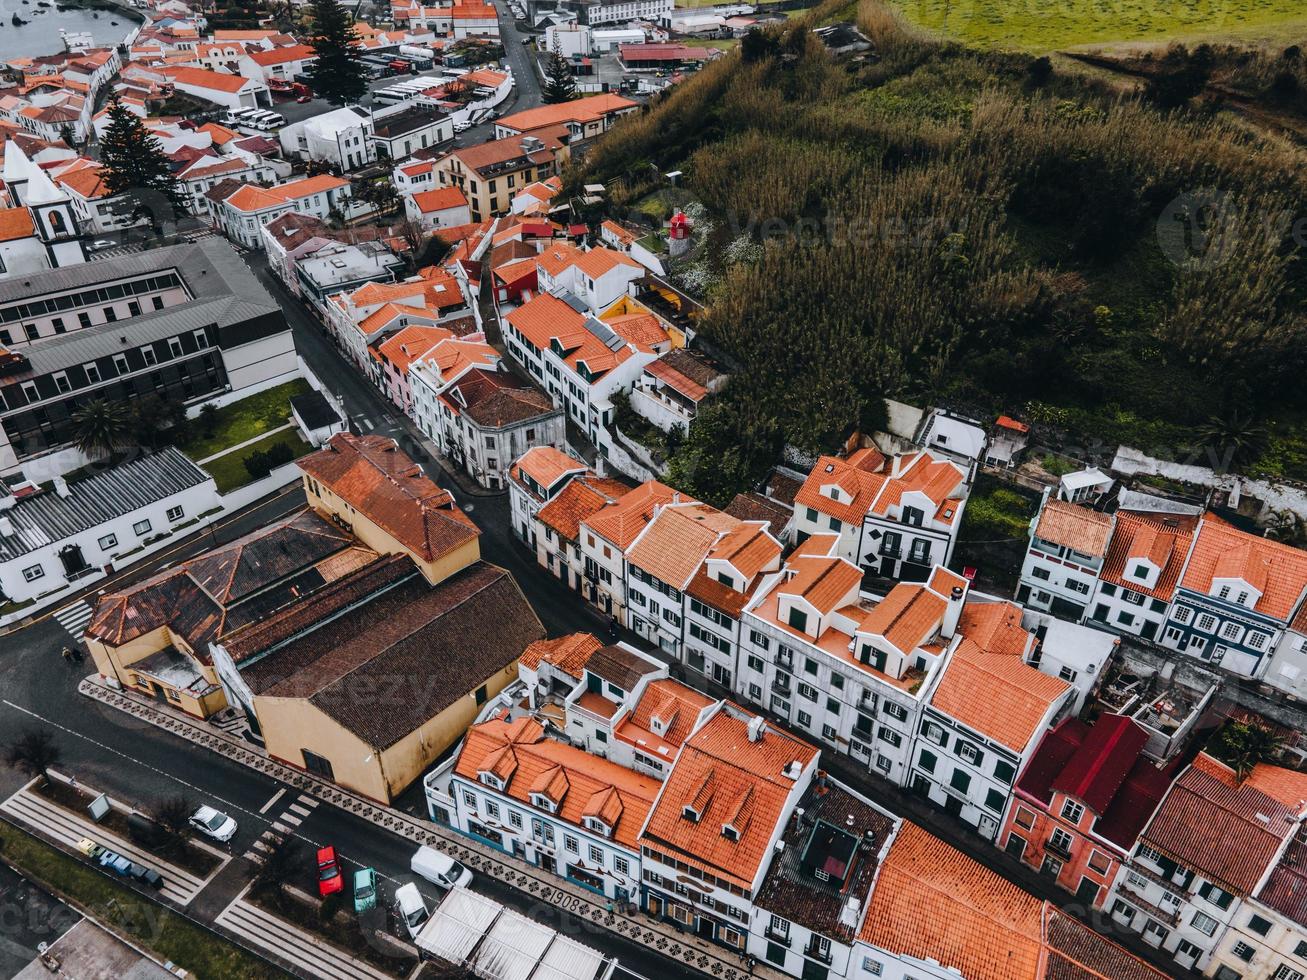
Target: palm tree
column 100, row 427
column 1234, row 439
column 1241, row 745
column 33, row 752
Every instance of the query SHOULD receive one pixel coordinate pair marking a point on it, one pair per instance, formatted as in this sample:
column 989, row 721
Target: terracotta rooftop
column 676, row 541
column 1277, row 571
column 1074, row 526
column 581, row 499
column 753, row 506
column 727, row 779
column 546, row 465
column 580, row 784
column 663, row 718
column 620, row 523
column 619, row 666
column 427, row 644
column 1162, row 540
column 373, row 475
column 568, row 653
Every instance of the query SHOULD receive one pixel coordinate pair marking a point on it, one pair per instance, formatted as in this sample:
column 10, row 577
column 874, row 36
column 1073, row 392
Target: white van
column 411, row 909
column 439, row 869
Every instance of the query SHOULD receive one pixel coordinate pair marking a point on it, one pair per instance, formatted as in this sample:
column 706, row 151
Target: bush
column 258, row 464
column 279, row 454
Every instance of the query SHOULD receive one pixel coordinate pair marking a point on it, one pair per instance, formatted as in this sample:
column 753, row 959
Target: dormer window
column 1139, row 571
column 1224, row 593
column 491, row 780
column 834, row 493
column 1242, row 598
column 598, row 826
column 543, row 802
column 690, row 813
column 730, row 833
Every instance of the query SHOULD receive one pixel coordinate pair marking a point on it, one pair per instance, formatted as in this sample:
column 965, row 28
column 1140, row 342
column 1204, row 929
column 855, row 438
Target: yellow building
column 353, row 635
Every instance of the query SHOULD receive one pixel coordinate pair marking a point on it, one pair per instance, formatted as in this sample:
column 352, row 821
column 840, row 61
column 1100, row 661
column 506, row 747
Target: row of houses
column 1171, row 573
column 599, row 768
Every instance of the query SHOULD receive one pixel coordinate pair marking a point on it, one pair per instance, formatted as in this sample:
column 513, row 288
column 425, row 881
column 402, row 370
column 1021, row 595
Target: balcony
column 775, row 936
column 887, row 551
column 781, row 684
column 1061, row 850
column 818, row 950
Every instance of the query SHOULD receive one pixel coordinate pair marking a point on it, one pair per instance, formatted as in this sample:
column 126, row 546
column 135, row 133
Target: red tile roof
column 668, row 706
column 1161, row 539
column 719, row 772
column 15, row 223
column 1276, row 570
column 1073, row 526
column 1099, row 767
column 584, row 497
column 440, row 199
column 568, row 653
column 620, row 523
column 1228, row 832
column 373, row 475
column 546, row 465
column 578, row 110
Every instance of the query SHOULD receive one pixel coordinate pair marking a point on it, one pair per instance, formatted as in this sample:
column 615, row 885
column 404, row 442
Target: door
column 953, row 806
column 1088, row 892
column 1015, row 846
column 1051, row 867
column 547, row 864
column 159, row 694
column 705, row 928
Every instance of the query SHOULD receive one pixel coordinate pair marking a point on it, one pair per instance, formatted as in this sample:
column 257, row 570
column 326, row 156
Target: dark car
column 147, row 876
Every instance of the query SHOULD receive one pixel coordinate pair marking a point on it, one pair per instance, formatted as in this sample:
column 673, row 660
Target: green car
column 365, row 890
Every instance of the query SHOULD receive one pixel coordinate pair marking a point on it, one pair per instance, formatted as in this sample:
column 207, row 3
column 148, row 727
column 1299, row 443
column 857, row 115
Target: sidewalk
column 688, row 950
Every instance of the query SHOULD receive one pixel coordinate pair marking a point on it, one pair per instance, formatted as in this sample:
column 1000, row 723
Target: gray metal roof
column 47, row 518
column 210, row 267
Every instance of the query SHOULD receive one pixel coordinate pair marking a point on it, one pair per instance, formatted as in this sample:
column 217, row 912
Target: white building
column 76, row 533
column 536, row 478
column 341, row 138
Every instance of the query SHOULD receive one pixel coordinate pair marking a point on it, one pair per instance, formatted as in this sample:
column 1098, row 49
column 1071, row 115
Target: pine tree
column 559, row 85
column 337, row 75
column 136, row 167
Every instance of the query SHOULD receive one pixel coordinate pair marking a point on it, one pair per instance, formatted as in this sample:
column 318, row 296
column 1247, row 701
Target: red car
column 330, row 879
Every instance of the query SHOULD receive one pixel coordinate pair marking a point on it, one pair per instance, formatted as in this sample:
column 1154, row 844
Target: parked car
column 116, row 862
column 439, row 869
column 90, row 848
column 212, row 823
column 304, row 98
column 410, row 908
column 100, row 243
column 329, row 877
column 147, row 876
column 365, row 890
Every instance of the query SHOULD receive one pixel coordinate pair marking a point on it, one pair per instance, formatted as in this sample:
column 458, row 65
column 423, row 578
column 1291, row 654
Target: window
column 1259, row 925
column 317, row 765
column 1040, row 573
column 934, row 732
column 108, row 541
column 1073, row 811
column 92, row 373
column 1255, row 641
column 1231, row 631
column 1061, row 840
column 798, row 619
column 1206, row 622
column 927, row 760
column 492, row 809
column 890, row 736
column 1068, row 675
column 1286, row 972
column 33, row 572
column 515, row 819
column 571, row 843
column 1182, row 614
column 896, row 711
column 1025, row 818
column 960, row 780
column 829, row 733
column 1300, row 950
column 1004, row 770
column 1203, row 923
column 995, row 800
column 874, row 967
column 968, row 753
column 62, row 383
column 755, row 663
column 805, row 719
column 808, row 692
column 175, row 513
column 596, row 854
column 1218, row 897
column 1243, row 951
column 142, row 527
column 760, row 641
column 1099, row 862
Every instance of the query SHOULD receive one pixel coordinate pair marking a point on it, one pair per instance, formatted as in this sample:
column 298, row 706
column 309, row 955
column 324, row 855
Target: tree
column 337, row 75
column 136, row 167
column 33, row 752
column 101, row 427
column 1232, row 440
column 173, row 814
column 1241, row 745
column 1040, row 71
column 559, row 85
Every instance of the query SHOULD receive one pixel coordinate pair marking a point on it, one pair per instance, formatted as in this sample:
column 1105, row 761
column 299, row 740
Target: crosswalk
column 284, row 825
column 75, row 618
column 66, row 828
column 309, row 954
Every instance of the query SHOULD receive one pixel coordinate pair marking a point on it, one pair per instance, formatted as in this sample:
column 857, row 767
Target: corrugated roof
column 47, row 518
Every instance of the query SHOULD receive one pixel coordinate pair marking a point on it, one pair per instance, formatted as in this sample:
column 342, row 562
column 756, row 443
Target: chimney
column 6, row 527
column 756, row 725
column 952, row 612
column 61, row 487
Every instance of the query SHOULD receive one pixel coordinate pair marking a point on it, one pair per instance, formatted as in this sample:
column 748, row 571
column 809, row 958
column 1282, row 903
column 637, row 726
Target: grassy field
column 1045, row 25
column 245, row 419
column 169, row 936
column 229, row 472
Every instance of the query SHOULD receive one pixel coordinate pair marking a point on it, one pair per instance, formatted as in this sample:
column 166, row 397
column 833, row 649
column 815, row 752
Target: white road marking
column 272, row 802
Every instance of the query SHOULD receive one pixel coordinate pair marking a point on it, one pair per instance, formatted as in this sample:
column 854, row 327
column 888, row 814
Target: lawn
column 994, row 532
column 1045, row 25
column 229, row 472
column 246, row 419
column 168, row 936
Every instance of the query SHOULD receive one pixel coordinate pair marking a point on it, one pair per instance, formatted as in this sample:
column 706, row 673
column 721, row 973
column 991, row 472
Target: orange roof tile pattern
column 825, row 583
column 1162, row 540
column 623, row 521
column 907, row 617
column 857, row 484
column 378, row 479
column 409, row 344
column 717, row 771
column 1277, row 571
column 581, row 499
column 677, row 540
column 932, row 901
column 546, row 465
column 580, row 784
column 996, row 694
column 663, row 718
column 568, row 653
column 578, row 110
column 15, row 223
column 440, row 199
column 203, row 78
column 1075, row 527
